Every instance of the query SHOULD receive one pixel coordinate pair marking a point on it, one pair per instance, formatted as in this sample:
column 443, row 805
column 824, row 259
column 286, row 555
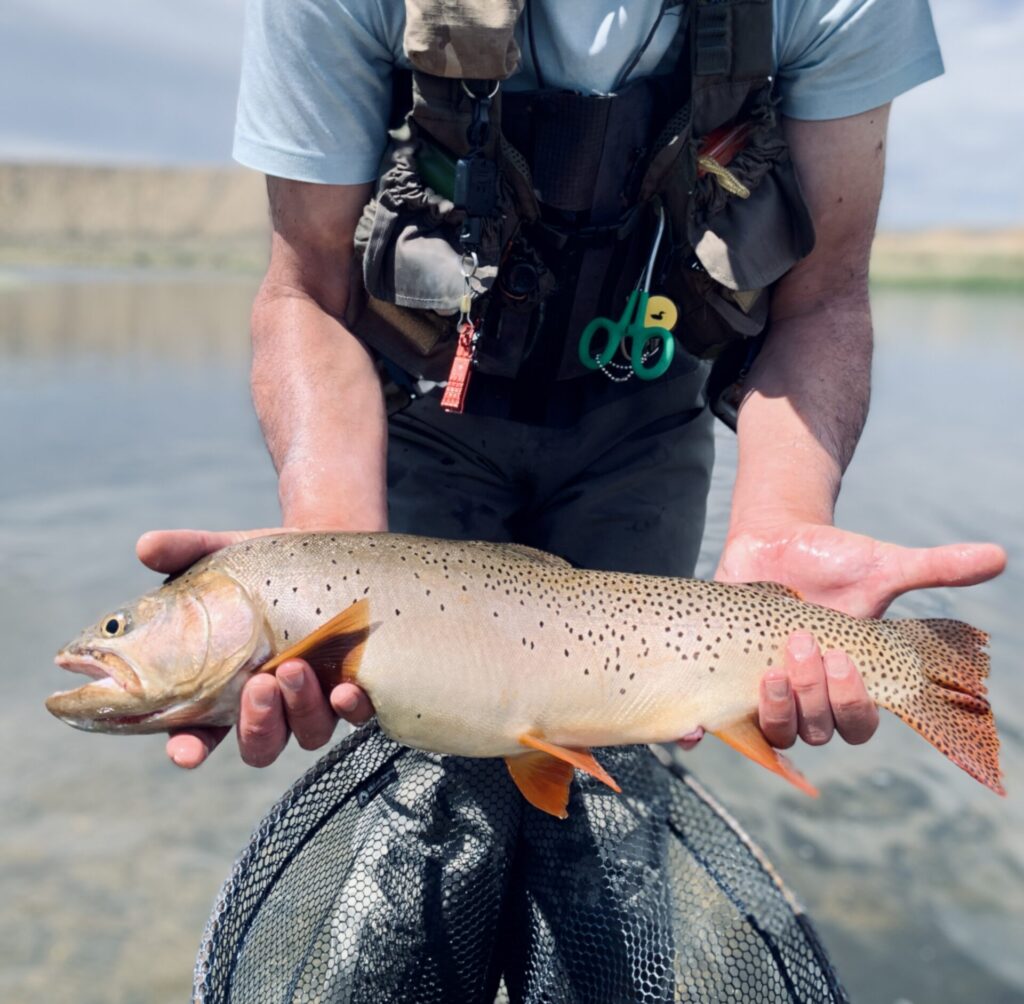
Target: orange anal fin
column 543, row 780
column 334, row 650
column 580, row 759
column 746, row 737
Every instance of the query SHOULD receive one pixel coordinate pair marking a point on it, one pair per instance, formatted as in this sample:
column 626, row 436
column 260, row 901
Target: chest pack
column 518, row 217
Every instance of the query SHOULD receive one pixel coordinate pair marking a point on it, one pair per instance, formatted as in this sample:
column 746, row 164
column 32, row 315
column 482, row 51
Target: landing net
column 390, row 875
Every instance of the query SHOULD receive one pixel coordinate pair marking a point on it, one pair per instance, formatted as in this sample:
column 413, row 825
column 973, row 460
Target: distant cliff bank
column 216, row 219
column 205, row 218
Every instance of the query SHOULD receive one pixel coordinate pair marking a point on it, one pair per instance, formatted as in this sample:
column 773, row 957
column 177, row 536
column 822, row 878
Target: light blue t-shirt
column 316, row 74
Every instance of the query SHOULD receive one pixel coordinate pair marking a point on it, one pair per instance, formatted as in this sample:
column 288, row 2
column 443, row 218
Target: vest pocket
column 742, row 246
column 408, row 244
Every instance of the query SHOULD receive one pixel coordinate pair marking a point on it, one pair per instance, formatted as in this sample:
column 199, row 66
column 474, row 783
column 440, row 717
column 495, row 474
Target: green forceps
column 632, row 327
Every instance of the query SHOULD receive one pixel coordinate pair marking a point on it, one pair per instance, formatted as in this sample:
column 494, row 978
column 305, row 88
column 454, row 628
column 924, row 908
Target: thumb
column 171, row 550
column 909, row 568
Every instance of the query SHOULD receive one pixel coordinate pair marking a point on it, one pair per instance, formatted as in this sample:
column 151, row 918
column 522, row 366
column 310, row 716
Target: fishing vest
column 528, row 214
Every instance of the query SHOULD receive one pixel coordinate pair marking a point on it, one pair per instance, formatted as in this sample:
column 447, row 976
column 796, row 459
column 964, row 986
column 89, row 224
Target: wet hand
column 847, row 571
column 273, row 707
column 814, row 695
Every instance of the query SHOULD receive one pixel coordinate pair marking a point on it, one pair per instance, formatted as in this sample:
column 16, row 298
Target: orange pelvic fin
column 334, row 650
column 544, row 774
column 580, row 759
column 746, row 737
column 543, row 780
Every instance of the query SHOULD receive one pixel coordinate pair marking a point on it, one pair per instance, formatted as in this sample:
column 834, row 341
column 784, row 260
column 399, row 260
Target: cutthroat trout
column 499, row 650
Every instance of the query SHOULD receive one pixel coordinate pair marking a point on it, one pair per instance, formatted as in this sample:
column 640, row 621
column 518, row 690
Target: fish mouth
column 105, row 668
column 100, row 703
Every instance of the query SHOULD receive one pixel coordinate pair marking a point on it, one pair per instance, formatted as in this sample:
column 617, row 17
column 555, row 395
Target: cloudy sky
column 154, row 81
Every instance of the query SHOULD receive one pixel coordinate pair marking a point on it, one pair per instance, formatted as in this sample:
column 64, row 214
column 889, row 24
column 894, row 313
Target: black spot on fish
column 318, row 610
column 286, row 636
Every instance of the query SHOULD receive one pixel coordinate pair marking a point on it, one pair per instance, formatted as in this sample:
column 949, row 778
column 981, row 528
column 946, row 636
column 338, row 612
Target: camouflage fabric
column 467, row 40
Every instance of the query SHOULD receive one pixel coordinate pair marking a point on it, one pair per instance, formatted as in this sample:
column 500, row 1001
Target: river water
column 124, row 406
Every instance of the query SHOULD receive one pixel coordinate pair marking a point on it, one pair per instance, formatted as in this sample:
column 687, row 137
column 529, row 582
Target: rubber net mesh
column 387, row 874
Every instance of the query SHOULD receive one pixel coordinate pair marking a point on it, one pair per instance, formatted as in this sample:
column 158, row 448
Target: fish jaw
column 114, row 701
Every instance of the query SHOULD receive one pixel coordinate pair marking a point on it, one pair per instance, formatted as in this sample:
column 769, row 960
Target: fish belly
column 474, row 692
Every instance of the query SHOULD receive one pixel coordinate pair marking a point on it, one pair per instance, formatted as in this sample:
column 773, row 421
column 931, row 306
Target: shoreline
column 147, row 221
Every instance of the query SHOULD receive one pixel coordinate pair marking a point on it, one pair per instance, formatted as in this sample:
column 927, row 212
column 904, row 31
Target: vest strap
column 713, row 40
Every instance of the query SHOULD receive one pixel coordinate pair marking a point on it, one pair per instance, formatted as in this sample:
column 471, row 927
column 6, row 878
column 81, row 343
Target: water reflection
column 124, row 405
column 185, row 320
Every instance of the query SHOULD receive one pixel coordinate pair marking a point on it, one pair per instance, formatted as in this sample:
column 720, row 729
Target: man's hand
column 273, row 705
column 814, row 695
column 319, row 402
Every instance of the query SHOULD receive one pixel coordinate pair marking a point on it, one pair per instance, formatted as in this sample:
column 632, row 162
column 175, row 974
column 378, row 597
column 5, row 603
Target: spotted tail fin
column 945, row 701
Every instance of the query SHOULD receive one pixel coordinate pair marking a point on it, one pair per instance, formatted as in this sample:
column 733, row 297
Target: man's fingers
column 262, row 732
column 691, row 739
column 170, row 550
column 351, row 703
column 310, row 716
column 854, row 712
column 777, row 711
column 188, row 748
column 807, row 675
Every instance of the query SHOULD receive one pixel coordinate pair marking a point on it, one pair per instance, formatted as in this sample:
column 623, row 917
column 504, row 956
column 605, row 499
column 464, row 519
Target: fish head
column 175, row 657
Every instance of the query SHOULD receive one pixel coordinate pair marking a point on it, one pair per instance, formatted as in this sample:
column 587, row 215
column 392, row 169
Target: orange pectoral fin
column 334, row 650
column 746, row 737
column 581, row 759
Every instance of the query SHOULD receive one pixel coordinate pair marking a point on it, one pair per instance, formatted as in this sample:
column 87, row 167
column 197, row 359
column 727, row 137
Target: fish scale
column 481, row 649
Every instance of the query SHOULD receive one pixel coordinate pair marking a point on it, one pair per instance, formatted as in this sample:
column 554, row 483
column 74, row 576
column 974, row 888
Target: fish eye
column 114, row 625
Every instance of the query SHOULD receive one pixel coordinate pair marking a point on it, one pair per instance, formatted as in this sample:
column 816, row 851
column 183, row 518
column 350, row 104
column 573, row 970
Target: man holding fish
column 606, row 479
column 707, row 173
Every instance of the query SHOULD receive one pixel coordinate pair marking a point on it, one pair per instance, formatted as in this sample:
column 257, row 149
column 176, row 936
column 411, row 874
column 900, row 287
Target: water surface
column 124, row 406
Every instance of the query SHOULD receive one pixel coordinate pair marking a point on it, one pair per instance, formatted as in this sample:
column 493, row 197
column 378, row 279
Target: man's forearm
column 319, row 402
column 803, row 414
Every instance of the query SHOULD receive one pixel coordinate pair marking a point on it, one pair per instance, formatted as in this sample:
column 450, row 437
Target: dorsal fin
column 779, row 588
column 334, row 650
column 541, row 557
